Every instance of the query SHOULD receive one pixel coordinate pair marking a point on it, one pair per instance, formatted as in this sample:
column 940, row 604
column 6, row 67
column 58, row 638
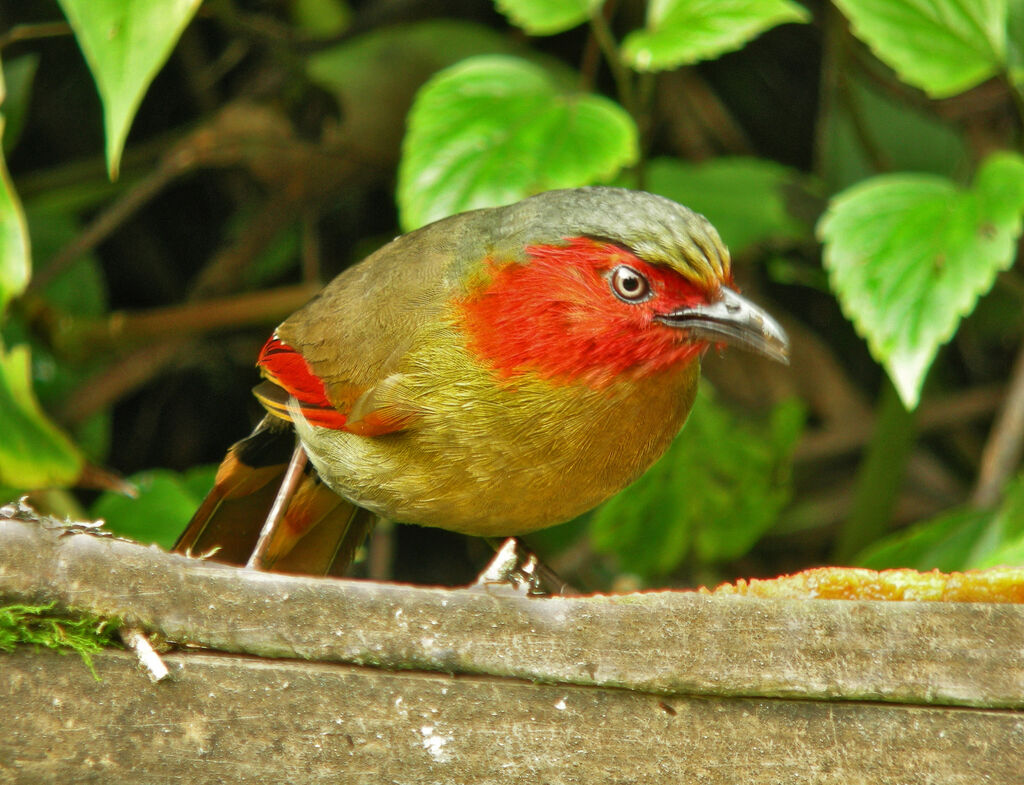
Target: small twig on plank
column 135, row 640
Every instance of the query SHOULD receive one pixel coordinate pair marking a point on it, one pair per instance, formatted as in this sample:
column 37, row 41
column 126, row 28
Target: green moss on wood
column 42, row 626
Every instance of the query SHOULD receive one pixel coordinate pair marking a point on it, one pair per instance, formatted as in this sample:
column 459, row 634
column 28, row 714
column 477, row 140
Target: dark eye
column 629, row 285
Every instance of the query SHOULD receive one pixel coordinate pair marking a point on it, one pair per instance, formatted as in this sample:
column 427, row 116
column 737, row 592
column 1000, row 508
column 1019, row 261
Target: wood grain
column 245, row 720
column 656, row 642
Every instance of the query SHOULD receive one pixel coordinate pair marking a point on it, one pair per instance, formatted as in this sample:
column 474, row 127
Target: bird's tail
column 319, row 533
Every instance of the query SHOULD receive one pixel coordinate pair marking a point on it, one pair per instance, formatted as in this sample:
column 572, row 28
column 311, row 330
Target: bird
column 492, row 373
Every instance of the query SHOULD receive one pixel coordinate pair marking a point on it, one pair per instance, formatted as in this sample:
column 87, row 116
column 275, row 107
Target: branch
column 659, row 642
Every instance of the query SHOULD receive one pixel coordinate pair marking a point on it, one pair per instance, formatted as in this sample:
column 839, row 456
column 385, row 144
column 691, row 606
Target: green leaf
column 866, row 128
column 547, row 17
column 78, row 290
column 961, row 539
column 680, row 32
column 492, row 130
column 33, row 451
column 165, row 503
column 321, row 18
column 941, row 46
column 198, row 480
column 125, row 43
column 375, row 76
column 719, row 488
column 1011, row 554
column 909, row 255
column 15, row 93
column 745, row 198
column 15, row 260
column 941, row 544
column 1015, row 42
column 367, row 65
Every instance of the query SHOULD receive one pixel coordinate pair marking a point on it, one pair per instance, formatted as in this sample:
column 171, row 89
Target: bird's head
column 599, row 284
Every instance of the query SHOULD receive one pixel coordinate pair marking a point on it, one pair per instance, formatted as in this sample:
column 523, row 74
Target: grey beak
column 734, row 320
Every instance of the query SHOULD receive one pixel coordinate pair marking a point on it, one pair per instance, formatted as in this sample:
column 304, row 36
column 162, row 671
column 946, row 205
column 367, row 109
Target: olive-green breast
column 498, row 457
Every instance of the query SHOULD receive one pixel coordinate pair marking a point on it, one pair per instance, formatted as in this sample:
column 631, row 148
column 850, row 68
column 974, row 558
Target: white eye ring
column 629, row 285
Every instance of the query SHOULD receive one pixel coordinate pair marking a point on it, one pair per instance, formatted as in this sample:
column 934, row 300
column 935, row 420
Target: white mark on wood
column 561, row 704
column 434, row 744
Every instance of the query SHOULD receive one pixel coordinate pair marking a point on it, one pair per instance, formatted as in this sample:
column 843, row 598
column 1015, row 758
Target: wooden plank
column 233, row 719
column 659, row 642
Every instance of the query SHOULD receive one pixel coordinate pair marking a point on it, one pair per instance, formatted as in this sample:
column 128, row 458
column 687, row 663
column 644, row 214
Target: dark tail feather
column 320, row 531
column 329, row 547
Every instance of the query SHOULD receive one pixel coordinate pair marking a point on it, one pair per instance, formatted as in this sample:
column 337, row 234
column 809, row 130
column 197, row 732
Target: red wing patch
column 378, row 423
column 288, row 369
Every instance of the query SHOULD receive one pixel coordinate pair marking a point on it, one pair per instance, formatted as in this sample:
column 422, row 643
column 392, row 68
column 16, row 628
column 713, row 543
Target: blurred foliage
column 259, row 143
column 163, row 504
column 687, row 503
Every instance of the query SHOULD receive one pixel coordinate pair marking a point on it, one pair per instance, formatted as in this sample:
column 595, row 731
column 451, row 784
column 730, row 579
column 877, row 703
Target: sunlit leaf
column 125, row 43
column 547, row 17
column 79, row 290
column 943, row 543
column 719, row 488
column 942, row 46
column 1010, row 554
column 1015, row 42
column 33, row 451
column 15, row 262
column 15, row 265
column 494, row 129
column 745, row 198
column 909, row 255
column 961, row 539
column 680, row 32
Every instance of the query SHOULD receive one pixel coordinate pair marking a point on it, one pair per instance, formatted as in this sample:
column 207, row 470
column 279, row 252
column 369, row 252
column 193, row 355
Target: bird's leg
column 292, row 476
column 517, row 566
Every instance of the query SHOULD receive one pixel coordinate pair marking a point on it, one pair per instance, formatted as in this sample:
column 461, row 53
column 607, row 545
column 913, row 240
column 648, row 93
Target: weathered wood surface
column 224, row 719
column 661, row 642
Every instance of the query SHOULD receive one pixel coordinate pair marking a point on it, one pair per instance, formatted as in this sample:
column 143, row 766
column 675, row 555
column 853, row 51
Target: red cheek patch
column 556, row 316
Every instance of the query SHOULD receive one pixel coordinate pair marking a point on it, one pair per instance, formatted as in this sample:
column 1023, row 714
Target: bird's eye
column 629, row 285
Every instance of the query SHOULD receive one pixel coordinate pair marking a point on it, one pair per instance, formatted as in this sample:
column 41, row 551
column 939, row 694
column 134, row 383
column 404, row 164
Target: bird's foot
column 517, row 567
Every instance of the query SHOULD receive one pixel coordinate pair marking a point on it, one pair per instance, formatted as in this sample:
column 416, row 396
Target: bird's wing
column 290, row 382
column 340, row 357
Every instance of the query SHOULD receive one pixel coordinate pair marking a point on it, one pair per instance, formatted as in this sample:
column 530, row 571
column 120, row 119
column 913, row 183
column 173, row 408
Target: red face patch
column 583, row 311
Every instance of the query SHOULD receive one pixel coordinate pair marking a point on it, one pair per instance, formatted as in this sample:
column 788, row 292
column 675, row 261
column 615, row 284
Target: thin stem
column 1002, row 452
column 1016, row 95
column 103, row 226
column 243, row 310
column 610, row 48
column 879, row 477
column 34, row 32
